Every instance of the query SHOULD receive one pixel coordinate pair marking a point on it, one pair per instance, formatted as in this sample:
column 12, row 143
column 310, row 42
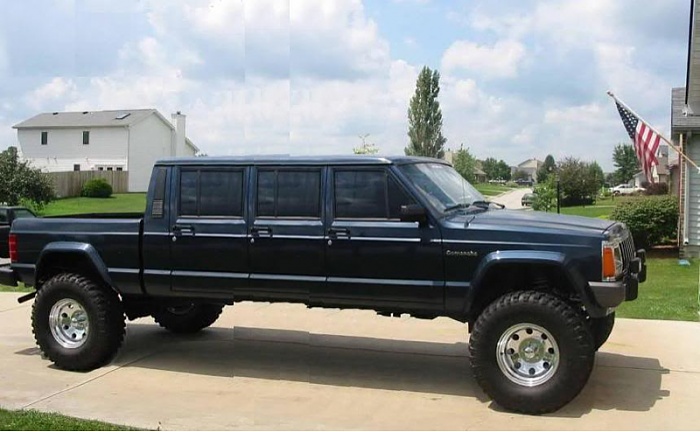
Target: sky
column 519, row 78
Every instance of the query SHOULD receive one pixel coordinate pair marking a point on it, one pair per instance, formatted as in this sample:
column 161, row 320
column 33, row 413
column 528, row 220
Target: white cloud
column 498, row 61
column 56, row 89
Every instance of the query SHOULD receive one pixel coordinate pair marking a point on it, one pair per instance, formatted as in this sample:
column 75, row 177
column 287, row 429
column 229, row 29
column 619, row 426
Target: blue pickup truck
column 401, row 235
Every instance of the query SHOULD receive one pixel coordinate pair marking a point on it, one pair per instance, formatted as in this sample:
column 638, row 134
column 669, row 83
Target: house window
column 100, row 168
column 120, row 169
column 86, row 137
column 110, row 168
column 44, row 138
column 76, row 167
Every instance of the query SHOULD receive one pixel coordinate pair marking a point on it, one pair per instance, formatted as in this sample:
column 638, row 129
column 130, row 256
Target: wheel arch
column 73, row 257
column 506, row 271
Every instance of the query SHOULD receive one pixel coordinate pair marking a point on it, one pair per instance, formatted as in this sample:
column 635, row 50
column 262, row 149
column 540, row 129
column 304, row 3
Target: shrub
column 656, row 189
column 97, row 188
column 652, row 220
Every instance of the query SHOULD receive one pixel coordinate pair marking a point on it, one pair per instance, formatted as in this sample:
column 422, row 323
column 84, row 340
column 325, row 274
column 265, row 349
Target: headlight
column 612, row 260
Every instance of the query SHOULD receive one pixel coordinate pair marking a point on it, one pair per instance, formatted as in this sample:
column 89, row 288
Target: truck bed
column 115, row 239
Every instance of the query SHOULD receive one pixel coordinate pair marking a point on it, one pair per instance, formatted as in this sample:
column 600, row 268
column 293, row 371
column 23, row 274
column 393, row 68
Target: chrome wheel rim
column 527, row 354
column 69, row 323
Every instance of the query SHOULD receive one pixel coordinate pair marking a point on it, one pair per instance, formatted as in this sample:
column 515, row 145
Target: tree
column 465, row 164
column 579, row 184
column 20, row 182
column 503, row 170
column 496, row 170
column 366, row 147
column 545, row 194
column 425, row 117
column 626, row 163
column 548, row 167
column 597, row 177
column 520, row 175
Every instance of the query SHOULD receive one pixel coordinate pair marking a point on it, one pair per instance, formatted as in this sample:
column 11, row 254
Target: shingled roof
column 85, row 119
column 680, row 121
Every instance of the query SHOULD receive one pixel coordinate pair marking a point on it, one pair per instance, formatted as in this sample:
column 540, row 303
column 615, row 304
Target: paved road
column 285, row 367
column 512, row 198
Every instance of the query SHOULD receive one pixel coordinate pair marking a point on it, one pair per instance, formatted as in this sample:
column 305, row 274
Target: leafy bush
column 19, row 181
column 97, row 188
column 652, row 220
column 545, row 195
column 656, row 189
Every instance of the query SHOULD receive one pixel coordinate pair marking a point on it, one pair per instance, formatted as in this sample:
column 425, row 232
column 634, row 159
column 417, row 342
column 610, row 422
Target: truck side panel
column 116, row 242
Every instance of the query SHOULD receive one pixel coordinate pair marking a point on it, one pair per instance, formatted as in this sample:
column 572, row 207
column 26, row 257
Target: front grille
column 628, row 253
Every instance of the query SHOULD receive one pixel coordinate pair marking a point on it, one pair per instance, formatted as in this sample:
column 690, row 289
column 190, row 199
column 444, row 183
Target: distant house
column 660, row 173
column 529, row 166
column 120, row 140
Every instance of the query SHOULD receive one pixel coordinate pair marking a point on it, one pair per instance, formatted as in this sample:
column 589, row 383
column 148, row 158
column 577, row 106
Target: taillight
column 13, row 248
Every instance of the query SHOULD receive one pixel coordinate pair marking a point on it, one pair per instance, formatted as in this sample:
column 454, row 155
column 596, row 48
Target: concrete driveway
column 285, row 367
column 512, row 199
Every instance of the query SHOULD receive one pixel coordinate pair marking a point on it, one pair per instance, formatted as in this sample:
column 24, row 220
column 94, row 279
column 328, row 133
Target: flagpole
column 673, row 146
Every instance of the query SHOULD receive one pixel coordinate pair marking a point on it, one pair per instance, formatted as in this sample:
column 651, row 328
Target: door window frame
column 388, row 174
column 203, row 168
column 287, row 168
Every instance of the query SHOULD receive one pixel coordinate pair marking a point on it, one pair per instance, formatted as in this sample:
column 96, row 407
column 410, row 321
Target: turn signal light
column 608, row 262
column 13, row 247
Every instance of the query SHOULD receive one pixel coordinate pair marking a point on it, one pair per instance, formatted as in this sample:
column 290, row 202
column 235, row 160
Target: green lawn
column 669, row 293
column 602, row 208
column 118, row 203
column 488, row 189
column 35, row 420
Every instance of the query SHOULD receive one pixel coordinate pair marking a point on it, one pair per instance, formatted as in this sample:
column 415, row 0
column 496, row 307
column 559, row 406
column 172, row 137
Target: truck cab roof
column 296, row 160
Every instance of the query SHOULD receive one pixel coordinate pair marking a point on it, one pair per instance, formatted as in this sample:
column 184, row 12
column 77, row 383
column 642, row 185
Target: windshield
column 441, row 185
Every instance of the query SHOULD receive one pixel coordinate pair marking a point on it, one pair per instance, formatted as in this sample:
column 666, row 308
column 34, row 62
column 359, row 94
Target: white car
column 624, row 189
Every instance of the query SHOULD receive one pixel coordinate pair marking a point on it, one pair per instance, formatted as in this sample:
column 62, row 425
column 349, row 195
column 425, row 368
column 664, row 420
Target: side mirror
column 414, row 213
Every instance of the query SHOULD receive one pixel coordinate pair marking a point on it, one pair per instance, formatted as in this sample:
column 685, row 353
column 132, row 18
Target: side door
column 286, row 234
column 209, row 248
column 373, row 258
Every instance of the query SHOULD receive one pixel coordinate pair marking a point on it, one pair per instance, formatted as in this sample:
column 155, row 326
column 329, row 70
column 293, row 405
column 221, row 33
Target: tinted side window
column 188, row 193
column 289, row 193
column 368, row 195
column 360, row 194
column 211, row 193
column 3, row 217
column 397, row 198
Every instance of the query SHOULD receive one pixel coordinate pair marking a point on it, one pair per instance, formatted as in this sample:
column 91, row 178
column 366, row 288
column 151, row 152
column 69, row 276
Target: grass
column 669, row 293
column 35, row 420
column 118, row 203
column 602, row 208
column 488, row 189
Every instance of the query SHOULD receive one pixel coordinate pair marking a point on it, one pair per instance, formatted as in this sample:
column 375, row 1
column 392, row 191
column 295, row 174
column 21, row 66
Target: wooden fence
column 70, row 184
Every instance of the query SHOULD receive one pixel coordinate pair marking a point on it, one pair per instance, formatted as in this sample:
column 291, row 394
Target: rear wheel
column 531, row 352
column 189, row 317
column 78, row 324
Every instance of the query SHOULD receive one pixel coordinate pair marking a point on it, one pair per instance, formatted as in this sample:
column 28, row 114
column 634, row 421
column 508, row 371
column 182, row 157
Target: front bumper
column 611, row 294
column 7, row 276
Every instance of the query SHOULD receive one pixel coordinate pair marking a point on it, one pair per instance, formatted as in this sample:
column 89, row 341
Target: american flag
column 646, row 141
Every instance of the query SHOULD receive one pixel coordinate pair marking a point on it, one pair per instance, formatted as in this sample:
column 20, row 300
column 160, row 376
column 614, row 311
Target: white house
column 685, row 132
column 529, row 166
column 120, row 140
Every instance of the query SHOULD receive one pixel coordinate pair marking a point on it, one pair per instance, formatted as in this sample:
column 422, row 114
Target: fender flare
column 546, row 258
column 84, row 250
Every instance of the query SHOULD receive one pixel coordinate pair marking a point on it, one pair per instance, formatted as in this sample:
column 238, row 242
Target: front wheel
column 189, row 317
column 531, row 352
column 78, row 324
